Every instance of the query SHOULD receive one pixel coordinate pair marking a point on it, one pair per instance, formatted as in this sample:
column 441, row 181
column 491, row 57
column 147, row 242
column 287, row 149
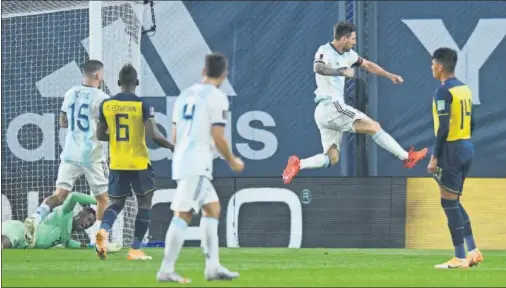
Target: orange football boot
column 414, row 157
column 292, row 169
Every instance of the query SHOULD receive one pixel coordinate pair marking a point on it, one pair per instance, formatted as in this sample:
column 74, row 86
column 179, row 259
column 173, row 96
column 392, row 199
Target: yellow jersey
column 125, row 114
column 454, row 99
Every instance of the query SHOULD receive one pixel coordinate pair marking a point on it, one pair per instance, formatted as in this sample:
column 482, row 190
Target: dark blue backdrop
column 271, row 47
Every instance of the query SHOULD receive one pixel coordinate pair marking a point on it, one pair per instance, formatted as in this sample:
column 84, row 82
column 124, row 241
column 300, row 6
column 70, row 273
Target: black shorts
column 454, row 164
column 123, row 182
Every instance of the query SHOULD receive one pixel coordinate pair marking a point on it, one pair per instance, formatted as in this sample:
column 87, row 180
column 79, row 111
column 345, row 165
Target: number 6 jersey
column 196, row 110
column 81, row 104
column 125, row 114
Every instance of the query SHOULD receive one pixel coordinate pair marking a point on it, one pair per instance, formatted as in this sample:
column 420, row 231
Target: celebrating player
column 54, row 229
column 82, row 153
column 199, row 118
column 333, row 62
column 452, row 154
column 128, row 118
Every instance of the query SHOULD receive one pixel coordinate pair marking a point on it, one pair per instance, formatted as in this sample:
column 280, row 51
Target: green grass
column 258, row 267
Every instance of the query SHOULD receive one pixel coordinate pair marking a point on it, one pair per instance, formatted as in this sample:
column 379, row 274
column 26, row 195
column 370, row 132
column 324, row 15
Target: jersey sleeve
column 148, row 111
column 355, row 60
column 66, row 100
column 219, row 111
column 73, row 199
column 321, row 56
column 443, row 101
column 101, row 116
column 97, row 104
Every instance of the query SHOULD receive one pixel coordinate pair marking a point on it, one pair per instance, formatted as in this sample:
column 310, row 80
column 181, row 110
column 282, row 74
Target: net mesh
column 43, row 45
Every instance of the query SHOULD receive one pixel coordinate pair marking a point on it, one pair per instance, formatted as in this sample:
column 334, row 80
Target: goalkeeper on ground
column 56, row 229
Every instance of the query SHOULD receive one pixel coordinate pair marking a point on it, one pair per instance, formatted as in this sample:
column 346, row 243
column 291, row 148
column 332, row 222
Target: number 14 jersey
column 81, row 104
column 196, row 110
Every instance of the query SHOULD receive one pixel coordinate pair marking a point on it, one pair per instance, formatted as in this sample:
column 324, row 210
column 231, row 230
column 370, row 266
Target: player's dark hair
column 343, row 29
column 446, row 57
column 216, row 65
column 89, row 210
column 91, row 67
column 128, row 76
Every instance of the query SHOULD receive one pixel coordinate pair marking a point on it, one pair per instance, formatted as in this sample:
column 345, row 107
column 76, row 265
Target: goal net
column 44, row 43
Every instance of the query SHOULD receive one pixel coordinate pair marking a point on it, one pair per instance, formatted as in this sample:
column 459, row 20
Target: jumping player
column 125, row 119
column 82, row 153
column 56, row 228
column 452, row 154
column 333, row 62
column 199, row 118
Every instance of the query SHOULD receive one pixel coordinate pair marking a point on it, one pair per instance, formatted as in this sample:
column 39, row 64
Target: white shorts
column 333, row 119
column 96, row 176
column 193, row 193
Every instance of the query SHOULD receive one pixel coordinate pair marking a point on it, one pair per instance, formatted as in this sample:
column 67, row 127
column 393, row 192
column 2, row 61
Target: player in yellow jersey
column 125, row 119
column 452, row 154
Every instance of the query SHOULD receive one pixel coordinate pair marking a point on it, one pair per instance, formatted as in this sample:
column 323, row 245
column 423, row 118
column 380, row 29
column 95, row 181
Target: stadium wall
column 483, row 199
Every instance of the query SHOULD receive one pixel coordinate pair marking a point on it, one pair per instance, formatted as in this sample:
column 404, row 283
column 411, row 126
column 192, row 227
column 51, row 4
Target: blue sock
column 456, row 225
column 110, row 215
column 141, row 226
column 42, row 211
column 468, row 232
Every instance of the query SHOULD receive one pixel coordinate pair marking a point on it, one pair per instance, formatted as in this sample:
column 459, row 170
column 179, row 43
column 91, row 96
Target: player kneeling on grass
column 56, row 229
column 82, row 153
column 198, row 121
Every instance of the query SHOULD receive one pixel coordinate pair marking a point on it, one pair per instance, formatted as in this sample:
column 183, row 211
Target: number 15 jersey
column 81, row 104
column 125, row 114
column 196, row 110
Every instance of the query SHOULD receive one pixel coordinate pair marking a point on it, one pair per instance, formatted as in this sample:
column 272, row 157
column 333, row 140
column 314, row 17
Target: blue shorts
column 123, row 182
column 454, row 164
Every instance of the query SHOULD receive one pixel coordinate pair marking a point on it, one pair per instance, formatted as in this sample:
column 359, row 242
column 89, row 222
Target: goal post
column 44, row 43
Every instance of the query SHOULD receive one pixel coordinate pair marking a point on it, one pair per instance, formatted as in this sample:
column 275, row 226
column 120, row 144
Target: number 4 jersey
column 125, row 114
column 196, row 110
column 81, row 104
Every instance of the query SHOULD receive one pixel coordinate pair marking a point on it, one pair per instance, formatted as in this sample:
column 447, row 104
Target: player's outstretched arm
column 322, row 69
column 155, row 134
column 372, row 67
column 74, row 198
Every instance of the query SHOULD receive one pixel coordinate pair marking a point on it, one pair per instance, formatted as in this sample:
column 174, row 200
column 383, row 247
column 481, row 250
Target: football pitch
column 258, row 267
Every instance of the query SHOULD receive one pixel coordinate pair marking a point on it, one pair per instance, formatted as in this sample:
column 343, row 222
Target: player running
column 198, row 121
column 333, row 62
column 82, row 153
column 56, row 228
column 125, row 119
column 452, row 154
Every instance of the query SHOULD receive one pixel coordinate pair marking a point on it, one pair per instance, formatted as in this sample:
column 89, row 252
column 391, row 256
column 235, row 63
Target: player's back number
column 79, row 116
column 122, row 129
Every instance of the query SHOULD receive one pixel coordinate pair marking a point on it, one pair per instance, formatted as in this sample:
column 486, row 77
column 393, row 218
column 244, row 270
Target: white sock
column 209, row 228
column 317, row 161
column 388, row 143
column 41, row 213
column 174, row 241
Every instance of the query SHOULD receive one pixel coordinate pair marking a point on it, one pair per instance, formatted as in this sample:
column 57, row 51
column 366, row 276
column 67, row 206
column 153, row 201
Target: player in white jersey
column 82, row 153
column 334, row 62
column 199, row 118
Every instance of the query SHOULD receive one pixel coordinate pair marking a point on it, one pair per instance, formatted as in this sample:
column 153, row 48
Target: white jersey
column 332, row 87
column 81, row 104
column 196, row 110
